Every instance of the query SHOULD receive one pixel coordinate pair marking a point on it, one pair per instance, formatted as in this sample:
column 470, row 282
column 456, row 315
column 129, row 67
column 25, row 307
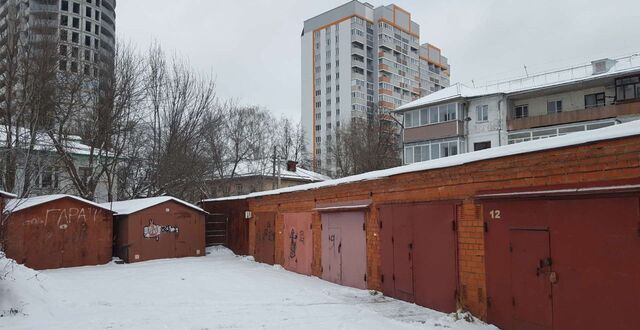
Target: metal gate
column 216, row 229
column 265, row 237
column 563, row 263
column 344, row 249
column 298, row 242
column 418, row 253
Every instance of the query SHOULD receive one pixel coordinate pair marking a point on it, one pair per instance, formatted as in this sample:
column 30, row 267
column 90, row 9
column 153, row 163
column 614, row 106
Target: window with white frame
column 431, row 115
column 521, row 111
column 554, row 106
column 482, row 113
column 431, row 150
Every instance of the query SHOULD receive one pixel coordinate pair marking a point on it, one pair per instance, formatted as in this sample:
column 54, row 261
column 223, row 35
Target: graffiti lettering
column 153, row 231
column 65, row 216
column 292, row 248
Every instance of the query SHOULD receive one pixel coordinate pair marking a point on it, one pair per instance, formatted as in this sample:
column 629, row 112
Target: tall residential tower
column 85, row 30
column 356, row 60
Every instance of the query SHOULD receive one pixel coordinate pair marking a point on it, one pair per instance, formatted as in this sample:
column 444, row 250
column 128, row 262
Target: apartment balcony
column 443, row 130
column 385, row 79
column 603, row 112
column 385, row 91
column 358, row 51
column 386, row 105
column 384, row 67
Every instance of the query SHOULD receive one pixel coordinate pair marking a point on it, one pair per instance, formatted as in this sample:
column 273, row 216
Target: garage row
column 58, row 231
column 547, row 239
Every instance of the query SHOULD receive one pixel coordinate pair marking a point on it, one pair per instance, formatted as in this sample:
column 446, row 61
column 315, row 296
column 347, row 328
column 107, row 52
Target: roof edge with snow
column 136, row 205
column 15, row 205
column 608, row 133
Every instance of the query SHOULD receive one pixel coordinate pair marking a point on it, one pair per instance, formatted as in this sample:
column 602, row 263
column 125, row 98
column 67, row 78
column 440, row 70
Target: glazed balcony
column 602, row 112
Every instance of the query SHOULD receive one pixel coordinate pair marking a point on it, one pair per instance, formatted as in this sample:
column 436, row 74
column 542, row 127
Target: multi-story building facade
column 434, row 70
column 460, row 118
column 357, row 60
column 85, row 30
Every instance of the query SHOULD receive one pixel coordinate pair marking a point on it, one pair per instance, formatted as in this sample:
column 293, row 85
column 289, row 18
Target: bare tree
column 366, row 145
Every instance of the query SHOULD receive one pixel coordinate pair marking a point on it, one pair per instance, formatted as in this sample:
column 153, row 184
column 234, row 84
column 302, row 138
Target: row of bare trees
column 147, row 125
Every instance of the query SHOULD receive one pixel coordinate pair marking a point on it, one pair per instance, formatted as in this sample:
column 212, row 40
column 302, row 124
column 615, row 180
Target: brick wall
column 577, row 165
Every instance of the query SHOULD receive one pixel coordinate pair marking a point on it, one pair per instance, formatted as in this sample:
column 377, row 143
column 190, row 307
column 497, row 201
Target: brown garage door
column 568, row 263
column 265, row 237
column 418, row 249
column 216, row 229
column 344, row 249
column 298, row 242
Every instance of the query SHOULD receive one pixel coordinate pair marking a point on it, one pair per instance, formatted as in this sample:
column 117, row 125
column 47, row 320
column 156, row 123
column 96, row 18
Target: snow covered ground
column 219, row 291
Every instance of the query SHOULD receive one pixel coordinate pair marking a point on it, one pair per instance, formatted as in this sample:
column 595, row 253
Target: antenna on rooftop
column 473, row 83
column 525, row 70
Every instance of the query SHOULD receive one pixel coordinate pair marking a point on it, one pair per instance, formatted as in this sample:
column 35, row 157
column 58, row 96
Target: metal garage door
column 563, row 263
column 265, row 237
column 298, row 242
column 344, row 249
column 418, row 252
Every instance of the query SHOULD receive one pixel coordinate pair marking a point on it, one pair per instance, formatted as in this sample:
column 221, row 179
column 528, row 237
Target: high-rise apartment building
column 434, row 70
column 356, row 60
column 84, row 30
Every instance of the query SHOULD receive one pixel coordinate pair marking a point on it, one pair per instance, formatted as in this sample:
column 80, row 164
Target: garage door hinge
column 381, row 225
column 393, row 277
column 321, row 270
column 364, row 227
column 454, row 226
column 510, row 248
column 320, row 226
column 486, row 227
column 382, row 278
column 365, row 277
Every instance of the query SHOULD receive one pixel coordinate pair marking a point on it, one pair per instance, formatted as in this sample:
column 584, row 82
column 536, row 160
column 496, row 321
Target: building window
column 85, row 174
column 64, row 5
column 88, row 11
column 318, row 127
column 64, row 20
column 87, row 41
column 87, row 26
column 63, row 50
column 76, row 8
column 594, row 100
column 521, row 111
column 482, row 113
column 75, row 22
column 75, row 37
column 49, row 178
column 75, row 52
column 238, row 189
column 554, row 106
column 318, row 116
column 481, row 145
column 628, row 88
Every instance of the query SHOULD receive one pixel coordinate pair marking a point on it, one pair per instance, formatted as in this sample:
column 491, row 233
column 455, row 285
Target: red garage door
column 569, row 263
column 265, row 237
column 298, row 242
column 418, row 249
column 344, row 249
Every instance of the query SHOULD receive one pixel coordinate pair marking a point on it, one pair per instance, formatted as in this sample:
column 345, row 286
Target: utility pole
column 273, row 184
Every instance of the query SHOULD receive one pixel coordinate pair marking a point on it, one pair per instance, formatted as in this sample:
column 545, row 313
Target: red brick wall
column 603, row 161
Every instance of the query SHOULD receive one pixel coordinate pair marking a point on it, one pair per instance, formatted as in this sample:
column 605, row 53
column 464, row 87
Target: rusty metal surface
column 61, row 233
column 237, row 226
column 167, row 230
column 344, row 249
column 591, row 271
column 265, row 237
column 418, row 253
column 298, row 242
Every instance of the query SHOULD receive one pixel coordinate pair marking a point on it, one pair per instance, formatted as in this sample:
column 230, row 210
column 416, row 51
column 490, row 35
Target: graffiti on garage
column 268, row 234
column 65, row 217
column 153, row 230
column 295, row 239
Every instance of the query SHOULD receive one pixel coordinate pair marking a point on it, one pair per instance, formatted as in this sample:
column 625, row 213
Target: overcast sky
column 253, row 47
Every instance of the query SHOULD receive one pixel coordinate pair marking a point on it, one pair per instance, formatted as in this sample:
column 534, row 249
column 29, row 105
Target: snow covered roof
column 250, row 168
column 612, row 132
column 72, row 143
column 135, row 205
column 7, row 195
column 15, row 205
column 577, row 74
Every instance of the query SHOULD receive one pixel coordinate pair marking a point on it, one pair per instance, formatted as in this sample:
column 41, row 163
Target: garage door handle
column 339, row 247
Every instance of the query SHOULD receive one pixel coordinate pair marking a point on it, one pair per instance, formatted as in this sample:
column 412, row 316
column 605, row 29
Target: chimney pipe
column 292, row 165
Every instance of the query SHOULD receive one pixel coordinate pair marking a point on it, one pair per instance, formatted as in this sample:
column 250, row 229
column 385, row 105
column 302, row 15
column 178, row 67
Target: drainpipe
column 499, row 123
